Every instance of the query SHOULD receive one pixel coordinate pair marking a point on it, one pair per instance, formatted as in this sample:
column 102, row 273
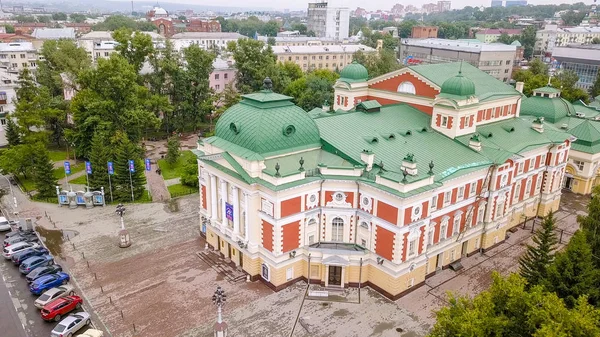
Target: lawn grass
column 174, row 171
column 79, row 180
column 59, row 173
column 26, row 183
column 179, row 190
column 58, row 155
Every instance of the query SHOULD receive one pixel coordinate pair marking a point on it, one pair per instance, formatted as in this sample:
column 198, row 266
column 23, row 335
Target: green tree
column 78, row 18
column 225, row 99
column 44, row 19
column 13, row 137
column 382, row 62
column 566, row 81
column 25, row 19
column 573, row 273
column 10, row 29
column 595, row 89
column 101, row 153
column 134, row 47
column 111, row 98
column 60, row 58
column 271, row 41
column 173, row 145
column 271, row 28
column 43, row 176
column 116, row 22
column 300, row 27
column 189, row 176
column 595, row 40
column 18, row 159
column 252, row 62
column 59, row 16
column 124, row 179
column 572, row 18
column 590, row 225
column 527, row 40
column 537, row 258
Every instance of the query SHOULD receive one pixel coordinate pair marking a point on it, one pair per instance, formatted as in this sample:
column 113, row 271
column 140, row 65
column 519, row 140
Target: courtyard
column 160, row 286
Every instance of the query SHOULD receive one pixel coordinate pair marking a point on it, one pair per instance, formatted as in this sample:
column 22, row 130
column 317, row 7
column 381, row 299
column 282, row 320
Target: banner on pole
column 111, row 169
column 148, row 165
column 229, row 211
column 88, row 167
column 67, row 167
column 131, row 166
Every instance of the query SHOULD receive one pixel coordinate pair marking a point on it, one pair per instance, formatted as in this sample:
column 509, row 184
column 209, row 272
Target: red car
column 61, row 306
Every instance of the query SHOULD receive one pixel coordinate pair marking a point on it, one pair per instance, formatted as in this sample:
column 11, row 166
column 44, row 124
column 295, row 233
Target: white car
column 4, row 224
column 11, row 250
column 92, row 333
column 52, row 294
column 70, row 325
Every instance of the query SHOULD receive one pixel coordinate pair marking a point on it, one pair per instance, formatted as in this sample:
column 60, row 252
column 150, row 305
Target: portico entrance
column 335, row 276
column 335, row 271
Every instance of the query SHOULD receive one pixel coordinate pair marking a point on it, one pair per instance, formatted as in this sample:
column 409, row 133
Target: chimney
column 538, row 124
column 367, row 157
column 519, row 87
column 409, row 164
column 475, row 143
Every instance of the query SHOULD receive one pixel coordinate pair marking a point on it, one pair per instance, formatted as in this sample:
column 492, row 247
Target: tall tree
column 124, row 179
column 382, row 62
column 43, row 177
column 534, row 263
column 252, row 62
column 595, row 89
column 62, row 61
column 172, row 150
column 13, row 137
column 573, row 273
column 590, row 225
column 566, row 81
column 100, row 154
column 135, row 47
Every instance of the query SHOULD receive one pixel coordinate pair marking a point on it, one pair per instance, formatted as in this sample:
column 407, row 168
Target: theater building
column 415, row 170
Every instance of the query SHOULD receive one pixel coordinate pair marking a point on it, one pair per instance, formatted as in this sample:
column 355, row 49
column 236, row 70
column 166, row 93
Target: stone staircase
column 224, row 267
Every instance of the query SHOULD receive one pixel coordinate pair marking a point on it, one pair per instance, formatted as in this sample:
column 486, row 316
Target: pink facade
column 223, row 74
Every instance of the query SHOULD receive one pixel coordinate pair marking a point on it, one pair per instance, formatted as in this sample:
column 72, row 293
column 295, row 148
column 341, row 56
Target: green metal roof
column 391, row 134
column 368, row 105
column 516, row 43
column 354, row 72
column 587, row 133
column 552, row 109
column 265, row 123
column 458, row 86
column 487, row 88
column 547, row 90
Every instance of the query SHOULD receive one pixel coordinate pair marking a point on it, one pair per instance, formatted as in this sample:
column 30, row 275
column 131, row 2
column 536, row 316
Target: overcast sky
column 352, row 4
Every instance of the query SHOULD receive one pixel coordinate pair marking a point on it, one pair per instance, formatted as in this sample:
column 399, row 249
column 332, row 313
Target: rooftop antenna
column 549, row 78
column 460, row 68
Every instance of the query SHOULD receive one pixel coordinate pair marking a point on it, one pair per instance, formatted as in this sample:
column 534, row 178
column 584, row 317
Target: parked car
column 18, row 247
column 20, row 238
column 70, row 325
column 41, row 271
column 60, row 307
column 92, row 333
column 52, row 294
column 24, row 254
column 19, row 232
column 35, row 261
column 4, row 224
column 48, row 281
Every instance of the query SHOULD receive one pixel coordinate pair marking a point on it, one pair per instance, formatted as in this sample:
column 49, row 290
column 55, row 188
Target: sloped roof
column 486, row 86
column 552, row 109
column 53, row 33
column 547, row 90
column 367, row 105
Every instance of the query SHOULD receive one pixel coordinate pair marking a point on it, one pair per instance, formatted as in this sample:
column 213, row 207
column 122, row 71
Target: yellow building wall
column 211, row 237
column 582, row 185
column 547, row 207
column 251, row 266
column 279, row 276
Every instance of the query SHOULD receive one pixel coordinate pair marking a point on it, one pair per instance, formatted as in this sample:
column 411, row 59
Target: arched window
column 407, row 87
column 312, row 222
column 337, row 230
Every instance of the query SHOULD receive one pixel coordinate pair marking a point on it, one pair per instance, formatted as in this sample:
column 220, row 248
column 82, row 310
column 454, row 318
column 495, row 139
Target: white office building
column 330, row 22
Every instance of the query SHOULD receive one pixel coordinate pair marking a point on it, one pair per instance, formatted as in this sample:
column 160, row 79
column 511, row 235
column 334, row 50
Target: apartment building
column 495, row 59
column 206, row 40
column 100, row 44
column 293, row 41
column 16, row 56
column 584, row 60
column 319, row 197
column 222, row 75
column 552, row 36
column 330, row 22
column 333, row 57
column 490, row 35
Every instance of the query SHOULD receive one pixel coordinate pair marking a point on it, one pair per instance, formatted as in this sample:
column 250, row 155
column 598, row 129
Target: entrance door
column 335, row 276
column 241, row 259
column 218, row 243
column 440, row 261
column 568, row 183
column 464, row 248
column 229, row 251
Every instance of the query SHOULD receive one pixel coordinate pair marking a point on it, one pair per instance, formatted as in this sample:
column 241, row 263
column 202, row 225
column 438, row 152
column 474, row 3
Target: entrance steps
column 232, row 274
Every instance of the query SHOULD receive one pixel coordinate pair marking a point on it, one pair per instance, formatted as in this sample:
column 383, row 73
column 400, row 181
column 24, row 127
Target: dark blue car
column 48, row 281
column 18, row 258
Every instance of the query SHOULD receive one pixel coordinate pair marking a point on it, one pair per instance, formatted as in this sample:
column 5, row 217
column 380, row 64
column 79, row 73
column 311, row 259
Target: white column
column 224, row 206
column 236, row 212
column 246, row 226
column 213, row 197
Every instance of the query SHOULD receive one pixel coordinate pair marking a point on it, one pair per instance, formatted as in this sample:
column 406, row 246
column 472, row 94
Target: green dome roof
column 354, row 72
column 268, row 123
column 552, row 109
column 458, row 86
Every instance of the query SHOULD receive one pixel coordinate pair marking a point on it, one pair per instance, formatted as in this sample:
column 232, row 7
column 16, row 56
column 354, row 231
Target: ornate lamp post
column 219, row 299
column 124, row 240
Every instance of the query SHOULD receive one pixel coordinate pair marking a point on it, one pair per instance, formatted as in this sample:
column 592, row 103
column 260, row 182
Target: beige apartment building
column 333, row 57
column 552, row 36
column 495, row 59
column 16, row 56
column 293, row 41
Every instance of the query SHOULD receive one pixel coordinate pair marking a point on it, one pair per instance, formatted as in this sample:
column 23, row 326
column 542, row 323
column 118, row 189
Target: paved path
column 156, row 185
column 10, row 324
column 173, row 181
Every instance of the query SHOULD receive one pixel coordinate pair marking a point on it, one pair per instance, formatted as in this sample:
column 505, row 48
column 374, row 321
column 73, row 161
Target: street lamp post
column 124, row 240
column 219, row 299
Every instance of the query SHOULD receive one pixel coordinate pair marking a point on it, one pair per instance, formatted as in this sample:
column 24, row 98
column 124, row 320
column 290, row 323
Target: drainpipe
column 359, row 279
column 308, row 276
column 320, row 209
column 356, row 212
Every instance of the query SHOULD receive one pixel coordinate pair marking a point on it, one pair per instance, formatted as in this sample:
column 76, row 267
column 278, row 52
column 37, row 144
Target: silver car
column 70, row 325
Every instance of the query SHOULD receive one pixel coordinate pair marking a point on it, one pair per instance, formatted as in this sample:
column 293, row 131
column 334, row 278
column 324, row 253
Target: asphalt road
column 10, row 324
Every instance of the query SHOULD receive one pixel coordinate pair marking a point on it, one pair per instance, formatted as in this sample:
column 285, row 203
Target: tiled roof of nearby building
column 391, row 134
column 208, row 35
column 106, row 35
column 552, row 109
column 547, row 90
column 486, row 87
column 53, row 33
column 347, row 48
column 459, row 45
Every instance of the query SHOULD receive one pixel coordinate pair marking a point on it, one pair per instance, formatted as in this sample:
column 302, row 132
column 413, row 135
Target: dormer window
column 444, row 121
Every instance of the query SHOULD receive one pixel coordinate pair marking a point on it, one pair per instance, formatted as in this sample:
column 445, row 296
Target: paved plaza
column 160, row 286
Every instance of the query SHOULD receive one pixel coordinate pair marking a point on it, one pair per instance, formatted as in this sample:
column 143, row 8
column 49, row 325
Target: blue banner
column 148, row 165
column 131, row 166
column 67, row 167
column 229, row 211
column 111, row 169
column 88, row 167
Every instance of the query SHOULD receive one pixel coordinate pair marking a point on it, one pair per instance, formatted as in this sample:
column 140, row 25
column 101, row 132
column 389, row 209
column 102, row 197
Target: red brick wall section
column 404, row 246
column 421, row 238
column 291, row 236
column 440, row 201
column 267, row 235
column 438, row 120
column 407, row 215
column 291, row 206
column 450, row 122
column 436, row 231
column 385, row 101
column 454, row 195
column 203, row 196
column 425, row 210
column 421, row 88
column 384, row 245
column 387, row 212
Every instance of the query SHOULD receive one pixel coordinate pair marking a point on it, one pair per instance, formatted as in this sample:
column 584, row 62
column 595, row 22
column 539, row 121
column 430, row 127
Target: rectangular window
column 444, row 121
column 473, row 189
column 447, row 196
column 22, row 56
column 527, row 188
column 412, row 248
column 3, row 121
column 434, row 202
column 506, row 72
column 461, row 192
column 311, row 239
column 13, row 56
column 106, row 53
column 538, row 182
column 443, row 231
column 480, row 214
column 517, row 192
column 216, row 76
column 24, row 64
column 217, row 86
column 520, row 167
column 579, row 164
column 500, row 209
column 225, row 76
column 289, row 273
column 431, row 235
column 320, row 57
column 363, row 243
column 531, row 164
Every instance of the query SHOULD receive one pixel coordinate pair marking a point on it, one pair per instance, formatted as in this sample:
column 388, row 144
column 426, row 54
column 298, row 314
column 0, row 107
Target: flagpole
column 131, row 183
column 110, row 188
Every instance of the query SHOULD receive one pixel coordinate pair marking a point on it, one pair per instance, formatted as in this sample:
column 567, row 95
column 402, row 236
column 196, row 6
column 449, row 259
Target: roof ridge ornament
column 268, row 84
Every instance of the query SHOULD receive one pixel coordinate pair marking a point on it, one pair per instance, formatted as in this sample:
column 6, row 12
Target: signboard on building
column 229, row 211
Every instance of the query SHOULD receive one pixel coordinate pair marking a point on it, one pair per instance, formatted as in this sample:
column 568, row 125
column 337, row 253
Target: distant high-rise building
column 327, row 21
column 497, row 3
column 430, row 8
column 444, row 6
column 514, row 3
